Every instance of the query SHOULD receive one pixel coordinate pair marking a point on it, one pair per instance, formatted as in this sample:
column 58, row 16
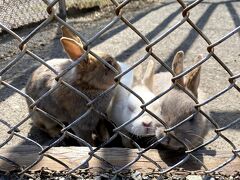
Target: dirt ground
column 214, row 18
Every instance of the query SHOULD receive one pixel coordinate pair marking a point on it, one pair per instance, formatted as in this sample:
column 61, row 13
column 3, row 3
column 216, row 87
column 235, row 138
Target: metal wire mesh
column 27, row 12
column 189, row 153
column 16, row 13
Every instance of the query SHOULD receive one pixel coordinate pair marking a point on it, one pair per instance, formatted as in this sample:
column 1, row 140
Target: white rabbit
column 126, row 106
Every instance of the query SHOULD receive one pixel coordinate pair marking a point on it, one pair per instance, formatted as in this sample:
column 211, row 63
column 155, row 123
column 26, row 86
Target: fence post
column 62, row 10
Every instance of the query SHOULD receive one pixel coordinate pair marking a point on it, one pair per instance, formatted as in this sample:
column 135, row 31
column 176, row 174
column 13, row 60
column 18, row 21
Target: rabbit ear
column 177, row 65
column 72, row 48
column 148, row 76
column 69, row 34
column 192, row 80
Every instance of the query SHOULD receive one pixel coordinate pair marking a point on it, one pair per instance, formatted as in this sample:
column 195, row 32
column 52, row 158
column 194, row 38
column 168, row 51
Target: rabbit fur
column 126, row 106
column 90, row 76
column 176, row 106
column 172, row 108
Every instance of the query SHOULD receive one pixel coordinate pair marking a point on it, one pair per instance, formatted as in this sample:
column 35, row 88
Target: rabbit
column 103, row 130
column 176, row 105
column 171, row 108
column 126, row 106
column 90, row 76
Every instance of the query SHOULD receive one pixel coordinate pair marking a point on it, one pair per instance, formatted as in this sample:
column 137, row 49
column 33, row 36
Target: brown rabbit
column 90, row 76
column 177, row 105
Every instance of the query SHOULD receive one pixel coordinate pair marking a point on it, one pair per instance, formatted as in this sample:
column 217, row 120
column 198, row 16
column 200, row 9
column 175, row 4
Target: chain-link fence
column 37, row 107
column 15, row 14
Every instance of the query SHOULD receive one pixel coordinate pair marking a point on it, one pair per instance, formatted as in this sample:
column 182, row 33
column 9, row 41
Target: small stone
column 104, row 176
column 145, row 178
column 194, row 177
column 98, row 178
column 136, row 175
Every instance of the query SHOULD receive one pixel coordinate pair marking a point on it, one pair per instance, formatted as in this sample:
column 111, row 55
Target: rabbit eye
column 131, row 108
column 110, row 61
column 192, row 119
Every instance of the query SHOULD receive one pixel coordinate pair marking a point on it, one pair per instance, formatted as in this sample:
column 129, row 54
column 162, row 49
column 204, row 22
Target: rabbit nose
column 146, row 123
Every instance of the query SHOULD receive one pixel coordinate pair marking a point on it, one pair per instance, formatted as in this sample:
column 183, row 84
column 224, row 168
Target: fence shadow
column 55, row 51
column 192, row 36
column 115, row 31
column 224, row 118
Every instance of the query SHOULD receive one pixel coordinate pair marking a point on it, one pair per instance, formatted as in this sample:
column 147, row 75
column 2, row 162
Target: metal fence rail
column 186, row 18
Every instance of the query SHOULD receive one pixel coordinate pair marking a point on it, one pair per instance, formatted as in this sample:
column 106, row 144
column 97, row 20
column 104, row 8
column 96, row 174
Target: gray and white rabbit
column 90, row 76
column 176, row 105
